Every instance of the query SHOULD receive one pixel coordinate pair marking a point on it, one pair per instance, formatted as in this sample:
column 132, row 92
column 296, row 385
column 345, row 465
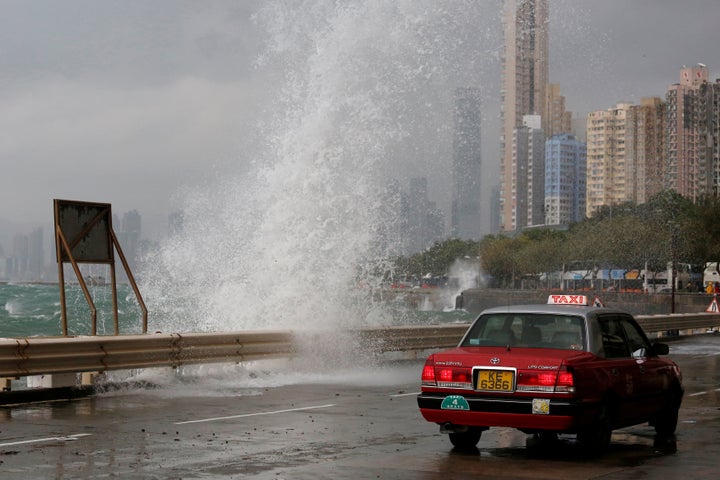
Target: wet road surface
column 271, row 423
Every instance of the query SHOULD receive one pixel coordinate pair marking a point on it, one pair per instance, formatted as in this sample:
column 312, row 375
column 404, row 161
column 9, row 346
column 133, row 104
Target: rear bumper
column 564, row 416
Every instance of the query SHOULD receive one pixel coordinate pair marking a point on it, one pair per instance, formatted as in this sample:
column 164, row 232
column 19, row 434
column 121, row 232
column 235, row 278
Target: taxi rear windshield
column 527, row 330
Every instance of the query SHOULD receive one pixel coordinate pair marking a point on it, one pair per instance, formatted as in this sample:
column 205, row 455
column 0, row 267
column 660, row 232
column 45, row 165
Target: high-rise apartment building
column 645, row 149
column 466, row 208
column 425, row 222
column 559, row 119
column 525, row 77
column 686, row 171
column 693, row 134
column 607, row 177
column 565, row 177
column 36, row 254
column 529, row 163
column 710, row 131
column 19, row 263
column 130, row 235
column 625, row 153
column 25, row 259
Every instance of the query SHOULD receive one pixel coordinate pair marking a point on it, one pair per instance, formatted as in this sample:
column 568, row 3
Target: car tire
column 666, row 420
column 595, row 439
column 465, row 440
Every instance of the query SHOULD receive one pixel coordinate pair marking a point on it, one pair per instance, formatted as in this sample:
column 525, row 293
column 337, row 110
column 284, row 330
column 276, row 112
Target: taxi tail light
column 453, row 377
column 546, row 381
column 449, row 377
column 565, row 381
column 428, row 373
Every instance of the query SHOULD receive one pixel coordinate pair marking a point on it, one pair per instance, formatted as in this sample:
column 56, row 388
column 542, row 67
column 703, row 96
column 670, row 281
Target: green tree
column 701, row 231
column 499, row 258
column 437, row 259
column 668, row 227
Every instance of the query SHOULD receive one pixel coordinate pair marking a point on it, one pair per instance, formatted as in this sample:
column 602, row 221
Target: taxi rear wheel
column 595, row 439
column 467, row 439
column 666, row 421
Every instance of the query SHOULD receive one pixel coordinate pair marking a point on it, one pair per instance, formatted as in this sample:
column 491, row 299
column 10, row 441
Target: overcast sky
column 136, row 102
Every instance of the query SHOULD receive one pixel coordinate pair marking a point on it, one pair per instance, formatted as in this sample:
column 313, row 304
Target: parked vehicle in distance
column 565, row 367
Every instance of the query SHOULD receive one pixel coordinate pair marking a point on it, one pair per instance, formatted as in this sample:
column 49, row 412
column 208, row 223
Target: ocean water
column 30, row 310
column 34, row 310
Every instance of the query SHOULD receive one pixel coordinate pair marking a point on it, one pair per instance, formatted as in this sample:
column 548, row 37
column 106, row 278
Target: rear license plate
column 495, row 380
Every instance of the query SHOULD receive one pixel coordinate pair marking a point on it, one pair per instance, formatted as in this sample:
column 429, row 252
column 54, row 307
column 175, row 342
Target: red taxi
column 565, row 367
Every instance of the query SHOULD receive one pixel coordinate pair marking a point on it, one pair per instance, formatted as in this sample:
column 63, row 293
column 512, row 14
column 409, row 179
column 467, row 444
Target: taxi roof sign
column 568, row 300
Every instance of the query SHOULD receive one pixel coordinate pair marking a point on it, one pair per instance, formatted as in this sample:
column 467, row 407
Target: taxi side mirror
column 660, row 348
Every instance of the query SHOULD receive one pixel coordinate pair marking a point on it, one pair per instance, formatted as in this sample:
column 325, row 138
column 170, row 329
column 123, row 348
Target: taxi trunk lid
column 504, row 370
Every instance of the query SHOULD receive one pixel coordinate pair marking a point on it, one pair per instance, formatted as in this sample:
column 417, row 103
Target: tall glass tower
column 524, row 83
column 465, row 221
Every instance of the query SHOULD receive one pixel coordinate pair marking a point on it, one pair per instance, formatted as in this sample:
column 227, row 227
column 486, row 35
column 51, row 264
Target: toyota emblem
column 495, row 360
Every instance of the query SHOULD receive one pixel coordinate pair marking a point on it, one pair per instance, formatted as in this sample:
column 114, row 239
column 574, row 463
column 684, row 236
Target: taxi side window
column 613, row 338
column 636, row 340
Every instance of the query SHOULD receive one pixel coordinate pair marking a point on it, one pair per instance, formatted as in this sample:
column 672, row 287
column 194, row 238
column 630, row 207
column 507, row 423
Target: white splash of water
column 292, row 244
column 464, row 274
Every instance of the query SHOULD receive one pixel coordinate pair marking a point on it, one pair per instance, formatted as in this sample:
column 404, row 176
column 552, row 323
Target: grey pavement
column 271, row 421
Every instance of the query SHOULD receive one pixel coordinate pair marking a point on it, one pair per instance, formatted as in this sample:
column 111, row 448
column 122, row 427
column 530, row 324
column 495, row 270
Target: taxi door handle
column 614, row 372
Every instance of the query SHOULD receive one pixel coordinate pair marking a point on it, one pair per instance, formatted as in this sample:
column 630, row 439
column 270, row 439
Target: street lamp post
column 673, row 273
column 673, row 266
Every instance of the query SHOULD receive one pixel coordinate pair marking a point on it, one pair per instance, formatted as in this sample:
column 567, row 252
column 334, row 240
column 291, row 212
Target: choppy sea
column 30, row 310
column 34, row 310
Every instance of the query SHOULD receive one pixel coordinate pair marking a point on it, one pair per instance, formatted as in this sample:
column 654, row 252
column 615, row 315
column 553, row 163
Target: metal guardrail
column 41, row 356
column 678, row 321
column 410, row 338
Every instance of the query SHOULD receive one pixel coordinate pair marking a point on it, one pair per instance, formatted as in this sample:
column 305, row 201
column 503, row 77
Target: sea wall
column 476, row 300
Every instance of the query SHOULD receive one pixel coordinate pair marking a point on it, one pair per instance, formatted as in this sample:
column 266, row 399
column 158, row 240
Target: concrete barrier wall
column 476, row 300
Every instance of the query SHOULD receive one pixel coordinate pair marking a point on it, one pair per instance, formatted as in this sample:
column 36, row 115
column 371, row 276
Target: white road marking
column 697, row 394
column 215, row 419
column 68, row 438
column 405, row 394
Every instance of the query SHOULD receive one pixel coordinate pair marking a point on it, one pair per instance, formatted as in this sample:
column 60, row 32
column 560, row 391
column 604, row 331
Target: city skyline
column 79, row 129
column 29, row 256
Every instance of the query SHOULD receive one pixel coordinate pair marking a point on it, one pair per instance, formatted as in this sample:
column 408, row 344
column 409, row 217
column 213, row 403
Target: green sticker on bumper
column 455, row 402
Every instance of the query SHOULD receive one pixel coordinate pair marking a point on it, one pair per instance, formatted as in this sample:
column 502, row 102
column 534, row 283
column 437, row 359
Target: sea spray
column 298, row 241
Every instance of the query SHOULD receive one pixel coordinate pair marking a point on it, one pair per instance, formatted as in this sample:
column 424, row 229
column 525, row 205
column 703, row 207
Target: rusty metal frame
column 64, row 248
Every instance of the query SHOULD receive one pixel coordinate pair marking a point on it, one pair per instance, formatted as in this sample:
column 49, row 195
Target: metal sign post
column 84, row 234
